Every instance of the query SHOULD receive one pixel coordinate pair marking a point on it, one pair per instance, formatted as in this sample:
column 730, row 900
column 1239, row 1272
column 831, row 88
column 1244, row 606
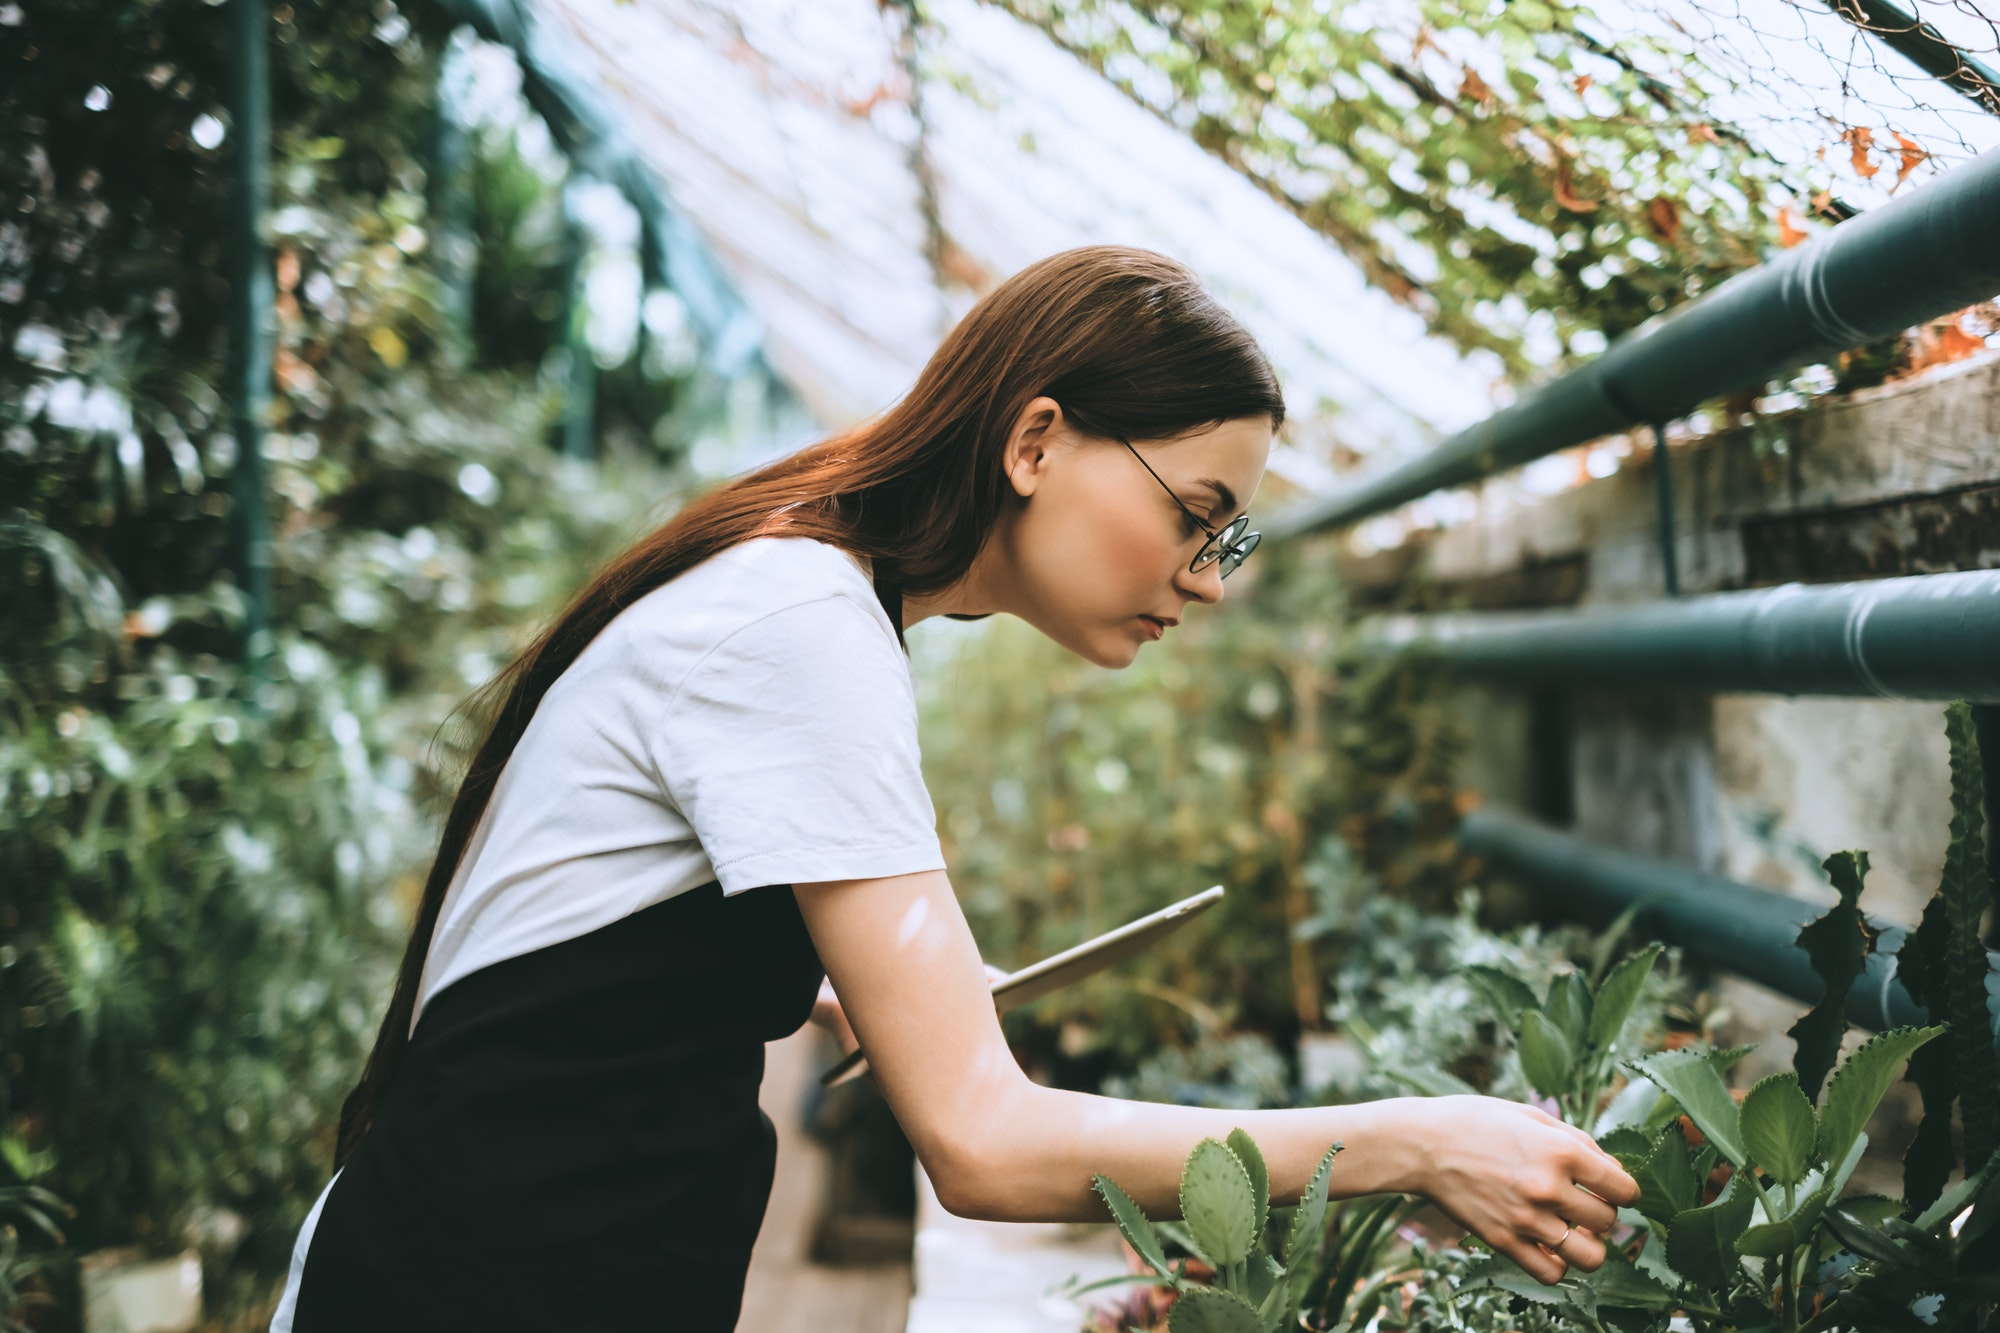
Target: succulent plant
column 1229, row 1224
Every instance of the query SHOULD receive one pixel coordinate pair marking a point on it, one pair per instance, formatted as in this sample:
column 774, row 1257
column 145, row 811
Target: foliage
column 1262, row 1257
column 1527, row 176
column 1944, row 966
column 204, row 872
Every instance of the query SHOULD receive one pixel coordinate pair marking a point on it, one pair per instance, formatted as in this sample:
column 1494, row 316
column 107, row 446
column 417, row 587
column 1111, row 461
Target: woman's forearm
column 1029, row 1155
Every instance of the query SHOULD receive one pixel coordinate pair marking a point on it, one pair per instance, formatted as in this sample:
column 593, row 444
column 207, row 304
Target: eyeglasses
column 1227, row 549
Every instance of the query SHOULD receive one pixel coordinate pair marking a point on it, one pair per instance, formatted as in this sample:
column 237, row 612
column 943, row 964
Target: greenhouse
column 602, row 727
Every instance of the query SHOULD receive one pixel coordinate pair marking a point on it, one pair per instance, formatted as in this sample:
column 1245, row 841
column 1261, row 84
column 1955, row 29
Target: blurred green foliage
column 203, row 878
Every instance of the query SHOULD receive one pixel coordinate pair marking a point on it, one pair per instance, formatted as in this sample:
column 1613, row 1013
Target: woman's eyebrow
column 1225, row 499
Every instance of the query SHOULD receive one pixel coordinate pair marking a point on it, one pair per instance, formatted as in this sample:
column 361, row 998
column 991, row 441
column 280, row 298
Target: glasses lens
column 1239, row 551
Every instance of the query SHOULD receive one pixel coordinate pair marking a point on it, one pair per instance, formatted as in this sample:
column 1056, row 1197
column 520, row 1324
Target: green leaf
column 1837, row 944
column 1619, row 994
column 1218, row 1203
column 1212, row 1310
column 1310, row 1216
column 1701, row 1242
column 1779, row 1129
column 1545, row 1054
column 1858, row 1086
column 1503, row 1274
column 1252, row 1158
column 1508, row 995
column 1688, row 1076
column 1569, row 1007
column 1668, row 1183
column 1617, row 1283
column 1957, row 1198
column 1132, row 1223
column 1863, row 1236
column 1624, row 1141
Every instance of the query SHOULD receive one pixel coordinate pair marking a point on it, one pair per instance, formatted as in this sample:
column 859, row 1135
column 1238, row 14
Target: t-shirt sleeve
column 791, row 749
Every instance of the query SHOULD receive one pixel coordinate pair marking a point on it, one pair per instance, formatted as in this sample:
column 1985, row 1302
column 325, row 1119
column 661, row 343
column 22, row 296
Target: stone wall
column 1901, row 479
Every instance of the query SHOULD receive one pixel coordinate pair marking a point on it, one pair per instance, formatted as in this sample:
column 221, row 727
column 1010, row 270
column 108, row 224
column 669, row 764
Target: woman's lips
column 1155, row 626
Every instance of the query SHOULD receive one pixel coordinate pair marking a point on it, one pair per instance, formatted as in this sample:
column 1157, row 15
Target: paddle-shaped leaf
column 1310, row 1216
column 1545, row 1055
column 1508, row 995
column 1779, row 1129
column 1688, row 1076
column 1252, row 1157
column 1618, row 994
column 1858, row 1086
column 1569, row 1006
column 1618, row 1283
column 1213, row 1310
column 1218, row 1203
column 1132, row 1223
column 1668, row 1185
column 1767, row 1240
column 1701, row 1242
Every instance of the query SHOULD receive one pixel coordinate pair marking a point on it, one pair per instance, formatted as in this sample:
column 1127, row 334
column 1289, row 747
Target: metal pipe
column 252, row 320
column 1747, row 930
column 1925, row 47
column 1931, row 636
column 1926, row 254
column 1663, row 498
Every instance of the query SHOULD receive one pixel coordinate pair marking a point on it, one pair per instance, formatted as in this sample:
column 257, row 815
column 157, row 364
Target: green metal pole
column 1925, row 47
column 1740, row 927
column 1663, row 495
column 1927, row 253
column 1930, row 636
column 252, row 320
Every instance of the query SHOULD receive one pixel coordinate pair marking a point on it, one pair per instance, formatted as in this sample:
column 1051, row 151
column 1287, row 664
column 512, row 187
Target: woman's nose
column 1201, row 585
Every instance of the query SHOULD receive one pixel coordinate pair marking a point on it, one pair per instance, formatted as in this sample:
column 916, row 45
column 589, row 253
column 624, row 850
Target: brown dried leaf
column 1665, row 218
column 1703, row 134
column 1566, row 193
column 1582, row 82
column 1860, row 140
column 1789, row 231
column 1911, row 157
column 1475, row 87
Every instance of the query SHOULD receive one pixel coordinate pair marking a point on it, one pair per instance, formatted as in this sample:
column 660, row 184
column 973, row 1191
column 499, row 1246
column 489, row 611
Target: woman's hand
column 1536, row 1190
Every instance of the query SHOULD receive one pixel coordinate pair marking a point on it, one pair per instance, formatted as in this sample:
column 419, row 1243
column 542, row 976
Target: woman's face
column 1097, row 552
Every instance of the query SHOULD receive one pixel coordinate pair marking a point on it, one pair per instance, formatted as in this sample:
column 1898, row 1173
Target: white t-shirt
column 751, row 722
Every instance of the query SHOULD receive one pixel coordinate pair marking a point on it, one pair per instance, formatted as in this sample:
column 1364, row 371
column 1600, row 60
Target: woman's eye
column 1190, row 525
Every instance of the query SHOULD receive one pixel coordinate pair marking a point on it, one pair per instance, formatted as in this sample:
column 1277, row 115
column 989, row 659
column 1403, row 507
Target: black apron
column 572, row 1142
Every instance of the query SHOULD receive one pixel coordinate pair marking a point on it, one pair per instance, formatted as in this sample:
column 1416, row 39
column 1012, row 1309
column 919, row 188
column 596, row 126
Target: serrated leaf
column 1545, row 1054
column 1310, row 1216
column 1688, row 1076
column 1768, row 1240
column 1863, row 1236
column 1178, row 1234
column 1837, row 945
column 1212, row 1310
column 1860, row 1082
column 1499, row 1272
column 1625, row 1141
column 1701, row 1242
column 1507, row 995
column 1954, row 1201
column 1617, row 1283
column 1668, row 1184
column 1619, row 994
column 1252, row 1157
column 1132, row 1224
column 1779, row 1129
column 1218, row 1204
column 1569, row 1007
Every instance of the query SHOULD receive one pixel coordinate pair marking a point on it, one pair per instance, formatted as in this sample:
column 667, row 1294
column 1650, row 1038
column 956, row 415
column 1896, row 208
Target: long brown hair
column 1128, row 341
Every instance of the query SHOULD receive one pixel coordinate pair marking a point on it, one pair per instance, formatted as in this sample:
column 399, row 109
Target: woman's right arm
column 999, row 1146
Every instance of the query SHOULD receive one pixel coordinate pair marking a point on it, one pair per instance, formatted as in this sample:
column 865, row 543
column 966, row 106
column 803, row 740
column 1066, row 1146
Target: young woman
column 700, row 795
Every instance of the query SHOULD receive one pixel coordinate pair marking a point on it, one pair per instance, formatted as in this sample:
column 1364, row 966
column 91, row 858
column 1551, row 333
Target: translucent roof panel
column 857, row 188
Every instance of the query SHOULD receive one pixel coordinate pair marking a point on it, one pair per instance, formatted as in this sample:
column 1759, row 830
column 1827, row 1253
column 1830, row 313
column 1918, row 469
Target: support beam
column 1932, row 636
column 1738, row 927
column 1915, row 258
column 1925, row 47
column 252, row 319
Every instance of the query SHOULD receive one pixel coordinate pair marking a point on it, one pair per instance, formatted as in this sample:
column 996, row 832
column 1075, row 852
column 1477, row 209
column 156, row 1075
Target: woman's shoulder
column 750, row 583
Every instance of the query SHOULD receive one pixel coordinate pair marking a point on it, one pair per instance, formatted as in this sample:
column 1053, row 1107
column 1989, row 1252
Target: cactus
column 1229, row 1224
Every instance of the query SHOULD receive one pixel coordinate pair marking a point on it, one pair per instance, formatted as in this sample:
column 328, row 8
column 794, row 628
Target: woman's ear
column 1029, row 444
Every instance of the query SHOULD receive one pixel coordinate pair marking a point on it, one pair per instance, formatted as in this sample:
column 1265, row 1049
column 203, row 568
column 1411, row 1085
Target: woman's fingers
column 1536, row 1260
column 1589, row 1212
column 1582, row 1249
column 1598, row 1171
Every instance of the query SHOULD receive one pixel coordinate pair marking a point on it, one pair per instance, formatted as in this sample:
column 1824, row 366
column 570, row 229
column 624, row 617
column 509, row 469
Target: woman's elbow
column 968, row 1182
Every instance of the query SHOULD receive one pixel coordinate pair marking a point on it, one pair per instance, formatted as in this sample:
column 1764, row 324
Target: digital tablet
column 1058, row 970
